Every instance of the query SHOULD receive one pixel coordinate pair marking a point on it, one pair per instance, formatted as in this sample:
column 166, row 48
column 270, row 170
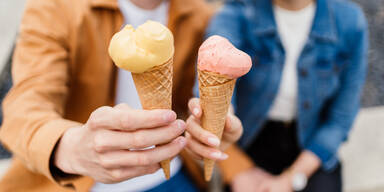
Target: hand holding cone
column 148, row 53
column 219, row 64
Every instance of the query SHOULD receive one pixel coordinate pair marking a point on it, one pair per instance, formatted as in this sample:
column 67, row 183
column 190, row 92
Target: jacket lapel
column 324, row 27
column 178, row 9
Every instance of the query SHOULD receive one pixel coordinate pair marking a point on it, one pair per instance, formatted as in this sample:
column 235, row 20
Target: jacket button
column 306, row 105
column 303, row 72
column 336, row 69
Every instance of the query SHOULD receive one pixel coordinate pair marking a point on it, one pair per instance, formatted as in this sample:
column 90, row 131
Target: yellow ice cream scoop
column 150, row 45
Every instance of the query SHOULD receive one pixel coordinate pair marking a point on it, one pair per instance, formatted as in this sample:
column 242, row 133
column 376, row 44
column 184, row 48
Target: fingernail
column 180, row 124
column 196, row 111
column 168, row 116
column 229, row 117
column 182, row 141
column 214, row 141
column 216, row 155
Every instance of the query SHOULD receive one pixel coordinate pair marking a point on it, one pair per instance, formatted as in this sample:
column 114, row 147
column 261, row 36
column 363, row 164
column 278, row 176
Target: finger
column 122, row 174
column 122, row 117
column 233, row 128
column 259, row 175
column 231, row 110
column 264, row 187
column 259, row 188
column 142, row 158
column 205, row 151
column 118, row 140
column 102, row 117
column 193, row 154
column 190, row 152
column 263, row 183
column 202, row 135
column 232, row 124
column 194, row 107
column 132, row 119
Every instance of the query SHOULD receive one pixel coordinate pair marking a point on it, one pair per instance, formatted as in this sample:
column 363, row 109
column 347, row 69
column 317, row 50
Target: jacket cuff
column 43, row 144
column 328, row 159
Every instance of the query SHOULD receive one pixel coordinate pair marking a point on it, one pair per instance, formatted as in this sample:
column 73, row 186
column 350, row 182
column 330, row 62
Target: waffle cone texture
column 154, row 88
column 215, row 97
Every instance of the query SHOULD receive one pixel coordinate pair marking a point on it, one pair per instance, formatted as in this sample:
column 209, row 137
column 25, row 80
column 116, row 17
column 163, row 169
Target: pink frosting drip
column 218, row 55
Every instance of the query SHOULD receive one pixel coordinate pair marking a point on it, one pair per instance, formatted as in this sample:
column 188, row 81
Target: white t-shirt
column 293, row 28
column 126, row 93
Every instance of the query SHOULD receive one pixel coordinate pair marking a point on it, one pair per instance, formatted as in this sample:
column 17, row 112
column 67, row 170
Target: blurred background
column 362, row 155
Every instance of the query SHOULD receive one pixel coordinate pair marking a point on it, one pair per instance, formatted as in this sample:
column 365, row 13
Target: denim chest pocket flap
column 327, row 70
column 325, row 67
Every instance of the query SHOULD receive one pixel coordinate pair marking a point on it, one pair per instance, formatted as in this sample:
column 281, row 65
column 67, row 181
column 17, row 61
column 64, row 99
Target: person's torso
column 319, row 65
column 89, row 26
column 293, row 29
column 93, row 74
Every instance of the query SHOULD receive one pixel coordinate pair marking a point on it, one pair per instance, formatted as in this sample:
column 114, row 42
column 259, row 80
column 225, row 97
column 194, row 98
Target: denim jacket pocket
column 326, row 78
column 324, row 68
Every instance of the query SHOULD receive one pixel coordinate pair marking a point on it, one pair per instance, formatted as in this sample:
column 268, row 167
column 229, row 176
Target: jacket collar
column 178, row 9
column 262, row 11
column 106, row 4
column 324, row 26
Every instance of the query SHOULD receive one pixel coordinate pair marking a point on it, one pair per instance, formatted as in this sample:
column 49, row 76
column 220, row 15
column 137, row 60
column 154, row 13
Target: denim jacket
column 331, row 70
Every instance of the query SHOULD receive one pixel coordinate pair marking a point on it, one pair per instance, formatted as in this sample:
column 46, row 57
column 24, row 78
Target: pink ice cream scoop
column 218, row 55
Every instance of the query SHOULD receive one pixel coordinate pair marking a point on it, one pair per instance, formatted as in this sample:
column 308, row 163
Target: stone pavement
column 363, row 154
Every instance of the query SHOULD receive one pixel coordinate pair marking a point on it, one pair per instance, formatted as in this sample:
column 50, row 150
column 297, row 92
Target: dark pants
column 276, row 148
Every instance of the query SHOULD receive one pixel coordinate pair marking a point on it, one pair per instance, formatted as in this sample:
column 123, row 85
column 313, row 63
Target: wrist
column 307, row 163
column 297, row 180
column 63, row 152
column 287, row 174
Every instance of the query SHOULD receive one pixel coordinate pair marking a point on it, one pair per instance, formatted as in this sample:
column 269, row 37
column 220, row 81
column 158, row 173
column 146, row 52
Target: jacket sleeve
column 344, row 106
column 34, row 107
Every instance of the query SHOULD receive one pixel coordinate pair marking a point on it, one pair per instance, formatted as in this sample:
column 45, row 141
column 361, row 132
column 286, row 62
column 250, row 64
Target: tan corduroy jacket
column 62, row 72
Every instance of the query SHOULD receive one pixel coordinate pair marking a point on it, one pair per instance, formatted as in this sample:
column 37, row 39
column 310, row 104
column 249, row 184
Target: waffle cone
column 154, row 88
column 215, row 97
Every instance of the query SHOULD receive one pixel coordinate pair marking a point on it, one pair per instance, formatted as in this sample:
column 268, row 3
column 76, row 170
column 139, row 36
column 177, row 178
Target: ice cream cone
column 215, row 97
column 154, row 88
column 147, row 52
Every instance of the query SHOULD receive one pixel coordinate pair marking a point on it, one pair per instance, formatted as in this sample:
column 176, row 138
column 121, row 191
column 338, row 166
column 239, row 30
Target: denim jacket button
column 336, row 69
column 306, row 105
column 303, row 72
